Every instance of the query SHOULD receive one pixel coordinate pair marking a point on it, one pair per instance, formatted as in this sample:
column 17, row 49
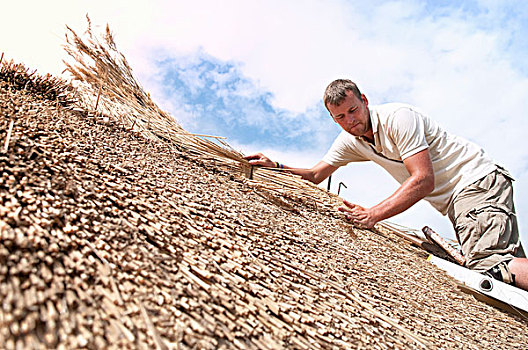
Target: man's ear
column 364, row 99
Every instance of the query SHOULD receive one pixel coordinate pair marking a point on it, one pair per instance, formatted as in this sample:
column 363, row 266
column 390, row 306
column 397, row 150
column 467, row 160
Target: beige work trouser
column 483, row 216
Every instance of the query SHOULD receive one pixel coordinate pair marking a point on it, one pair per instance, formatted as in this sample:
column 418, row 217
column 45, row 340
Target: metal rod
column 329, row 182
column 339, row 187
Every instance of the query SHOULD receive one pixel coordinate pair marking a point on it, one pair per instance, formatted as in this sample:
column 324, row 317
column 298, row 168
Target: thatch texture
column 120, row 230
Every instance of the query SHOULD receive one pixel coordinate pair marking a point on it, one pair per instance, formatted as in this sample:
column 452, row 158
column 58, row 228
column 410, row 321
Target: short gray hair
column 336, row 92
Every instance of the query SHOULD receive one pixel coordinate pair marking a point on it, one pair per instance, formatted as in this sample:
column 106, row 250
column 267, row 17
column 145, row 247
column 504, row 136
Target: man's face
column 352, row 115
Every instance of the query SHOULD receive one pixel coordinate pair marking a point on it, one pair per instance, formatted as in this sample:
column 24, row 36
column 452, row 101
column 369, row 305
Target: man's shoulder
column 394, row 114
column 389, row 109
column 346, row 148
column 345, row 138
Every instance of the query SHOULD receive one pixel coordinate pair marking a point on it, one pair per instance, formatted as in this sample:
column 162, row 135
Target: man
column 453, row 174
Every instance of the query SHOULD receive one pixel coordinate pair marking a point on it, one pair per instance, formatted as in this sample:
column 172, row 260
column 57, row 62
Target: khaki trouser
column 483, row 216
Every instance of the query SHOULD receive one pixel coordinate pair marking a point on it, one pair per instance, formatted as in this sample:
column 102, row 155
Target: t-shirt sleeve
column 343, row 151
column 407, row 130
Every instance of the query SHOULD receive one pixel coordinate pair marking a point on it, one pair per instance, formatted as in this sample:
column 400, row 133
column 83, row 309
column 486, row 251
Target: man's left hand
column 359, row 216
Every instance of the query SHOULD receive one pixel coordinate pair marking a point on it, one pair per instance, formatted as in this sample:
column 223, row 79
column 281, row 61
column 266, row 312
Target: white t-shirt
column 401, row 131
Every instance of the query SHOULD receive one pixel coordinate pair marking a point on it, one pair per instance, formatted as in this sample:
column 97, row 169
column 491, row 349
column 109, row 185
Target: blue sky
column 220, row 100
column 255, row 71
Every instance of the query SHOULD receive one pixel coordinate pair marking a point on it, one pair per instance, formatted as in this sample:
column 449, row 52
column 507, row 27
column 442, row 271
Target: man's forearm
column 408, row 194
column 416, row 187
column 306, row 174
column 316, row 174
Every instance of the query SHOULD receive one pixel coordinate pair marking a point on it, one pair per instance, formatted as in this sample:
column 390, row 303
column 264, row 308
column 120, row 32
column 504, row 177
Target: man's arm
column 316, row 174
column 416, row 187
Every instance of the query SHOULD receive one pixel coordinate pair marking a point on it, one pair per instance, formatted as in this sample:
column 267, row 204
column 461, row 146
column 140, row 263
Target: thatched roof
column 120, row 229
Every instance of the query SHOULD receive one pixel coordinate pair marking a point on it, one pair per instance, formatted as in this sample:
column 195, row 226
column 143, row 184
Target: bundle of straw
column 46, row 86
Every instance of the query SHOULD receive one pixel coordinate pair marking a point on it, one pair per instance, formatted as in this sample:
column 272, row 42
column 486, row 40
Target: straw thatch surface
column 114, row 235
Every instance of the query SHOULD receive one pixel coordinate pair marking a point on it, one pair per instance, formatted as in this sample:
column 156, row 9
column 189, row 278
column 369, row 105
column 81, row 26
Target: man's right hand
column 260, row 159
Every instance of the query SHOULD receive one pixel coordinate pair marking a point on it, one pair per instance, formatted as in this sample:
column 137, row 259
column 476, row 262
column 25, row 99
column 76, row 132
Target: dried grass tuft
column 46, row 86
